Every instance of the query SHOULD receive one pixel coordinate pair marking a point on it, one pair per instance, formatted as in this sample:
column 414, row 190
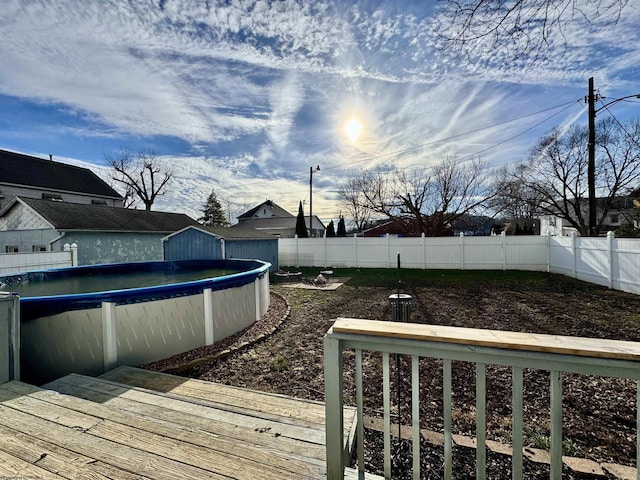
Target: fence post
column 610, row 237
column 326, row 263
column 574, row 235
column 256, row 290
column 355, row 249
column 503, row 234
column 109, row 336
column 297, row 249
column 461, row 250
column 209, row 323
column 424, row 253
column 548, row 251
column 388, row 250
column 74, row 254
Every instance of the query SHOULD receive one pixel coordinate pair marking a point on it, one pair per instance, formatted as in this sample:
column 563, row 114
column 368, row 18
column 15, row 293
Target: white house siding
column 114, row 247
column 23, row 218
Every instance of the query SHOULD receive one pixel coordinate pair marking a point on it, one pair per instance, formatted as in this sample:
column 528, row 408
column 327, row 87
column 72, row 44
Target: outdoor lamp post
column 311, row 170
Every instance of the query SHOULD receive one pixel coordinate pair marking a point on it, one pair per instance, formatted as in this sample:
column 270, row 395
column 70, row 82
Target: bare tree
column 523, row 29
column 352, row 201
column 141, row 174
column 514, row 199
column 557, row 170
column 425, row 200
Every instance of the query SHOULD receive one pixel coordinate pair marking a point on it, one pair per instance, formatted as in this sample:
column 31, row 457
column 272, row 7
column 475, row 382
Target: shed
column 211, row 243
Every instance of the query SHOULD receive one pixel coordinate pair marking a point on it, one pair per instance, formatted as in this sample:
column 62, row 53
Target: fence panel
column 25, row 262
column 601, row 260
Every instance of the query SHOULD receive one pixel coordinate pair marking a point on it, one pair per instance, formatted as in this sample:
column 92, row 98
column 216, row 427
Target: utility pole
column 591, row 169
column 311, row 199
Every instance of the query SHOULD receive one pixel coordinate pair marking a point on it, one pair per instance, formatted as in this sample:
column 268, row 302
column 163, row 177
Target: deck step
column 80, row 426
column 352, row 474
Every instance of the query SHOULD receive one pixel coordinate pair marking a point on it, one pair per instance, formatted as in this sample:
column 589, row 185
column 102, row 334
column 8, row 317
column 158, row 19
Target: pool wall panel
column 59, row 344
column 150, row 331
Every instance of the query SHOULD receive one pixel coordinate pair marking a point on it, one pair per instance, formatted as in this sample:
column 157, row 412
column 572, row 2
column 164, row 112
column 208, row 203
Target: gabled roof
column 25, row 170
column 277, row 210
column 75, row 216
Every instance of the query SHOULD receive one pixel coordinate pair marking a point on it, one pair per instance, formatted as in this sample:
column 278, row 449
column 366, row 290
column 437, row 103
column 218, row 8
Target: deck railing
column 555, row 354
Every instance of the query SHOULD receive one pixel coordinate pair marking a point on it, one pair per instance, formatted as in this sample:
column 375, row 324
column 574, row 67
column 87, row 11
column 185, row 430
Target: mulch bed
column 599, row 413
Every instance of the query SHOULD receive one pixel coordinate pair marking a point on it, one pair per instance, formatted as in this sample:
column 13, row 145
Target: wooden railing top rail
column 534, row 342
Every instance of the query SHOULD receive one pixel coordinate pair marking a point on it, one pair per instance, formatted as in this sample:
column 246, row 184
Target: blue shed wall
column 265, row 250
column 193, row 245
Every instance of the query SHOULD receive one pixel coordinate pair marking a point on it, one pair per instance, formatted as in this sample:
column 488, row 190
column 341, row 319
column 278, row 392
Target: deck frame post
column 334, row 415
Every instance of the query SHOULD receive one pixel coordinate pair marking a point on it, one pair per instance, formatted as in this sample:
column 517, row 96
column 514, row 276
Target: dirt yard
column 599, row 414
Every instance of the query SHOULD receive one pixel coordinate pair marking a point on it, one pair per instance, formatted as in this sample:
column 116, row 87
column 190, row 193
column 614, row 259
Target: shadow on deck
column 132, row 423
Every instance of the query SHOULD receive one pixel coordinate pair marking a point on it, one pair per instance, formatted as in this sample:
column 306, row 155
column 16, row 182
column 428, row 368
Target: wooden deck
column 131, row 423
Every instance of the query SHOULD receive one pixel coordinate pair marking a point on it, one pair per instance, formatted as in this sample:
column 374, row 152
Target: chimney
column 51, row 157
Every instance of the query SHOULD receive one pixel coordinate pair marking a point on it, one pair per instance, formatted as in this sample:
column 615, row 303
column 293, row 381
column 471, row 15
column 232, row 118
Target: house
column 405, row 227
column 269, row 218
column 103, row 234
column 31, row 177
column 212, row 243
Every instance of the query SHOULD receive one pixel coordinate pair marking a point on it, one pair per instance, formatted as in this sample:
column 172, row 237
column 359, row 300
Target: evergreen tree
column 213, row 213
column 331, row 229
column 301, row 227
column 342, row 230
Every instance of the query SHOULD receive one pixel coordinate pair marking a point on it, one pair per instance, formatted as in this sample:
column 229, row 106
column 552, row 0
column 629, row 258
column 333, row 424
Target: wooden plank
column 114, row 453
column 261, row 436
column 581, row 346
column 12, row 467
column 223, row 395
column 199, row 408
column 57, row 460
column 156, row 434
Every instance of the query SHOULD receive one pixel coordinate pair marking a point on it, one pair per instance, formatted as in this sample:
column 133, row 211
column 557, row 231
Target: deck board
column 159, row 427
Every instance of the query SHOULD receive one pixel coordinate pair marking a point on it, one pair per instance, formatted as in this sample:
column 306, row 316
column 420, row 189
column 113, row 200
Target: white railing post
column 556, row 424
column 74, row 254
column 334, row 415
column 610, row 251
column 109, row 336
column 424, row 252
column 461, row 250
column 517, row 394
column 503, row 238
column 209, row 321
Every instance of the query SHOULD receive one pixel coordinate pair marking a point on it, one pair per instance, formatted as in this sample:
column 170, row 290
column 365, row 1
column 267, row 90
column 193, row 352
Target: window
column 38, row 248
column 54, row 197
column 11, row 248
column 99, row 202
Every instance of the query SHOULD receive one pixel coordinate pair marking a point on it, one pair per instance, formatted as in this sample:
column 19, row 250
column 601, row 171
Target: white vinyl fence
column 30, row 261
column 604, row 261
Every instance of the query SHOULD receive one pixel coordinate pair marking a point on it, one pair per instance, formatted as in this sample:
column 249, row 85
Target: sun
column 353, row 129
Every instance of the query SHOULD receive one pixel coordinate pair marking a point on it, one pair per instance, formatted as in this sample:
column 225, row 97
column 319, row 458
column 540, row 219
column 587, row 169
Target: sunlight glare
column 353, row 128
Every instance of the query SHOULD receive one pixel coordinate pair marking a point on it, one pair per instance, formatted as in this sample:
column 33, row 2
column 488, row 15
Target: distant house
column 31, row 177
column 213, row 243
column 402, row 228
column 103, row 234
column 269, row 218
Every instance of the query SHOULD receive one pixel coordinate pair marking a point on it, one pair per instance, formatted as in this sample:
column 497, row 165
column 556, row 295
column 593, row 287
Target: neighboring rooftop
column 272, row 207
column 75, row 216
column 20, row 169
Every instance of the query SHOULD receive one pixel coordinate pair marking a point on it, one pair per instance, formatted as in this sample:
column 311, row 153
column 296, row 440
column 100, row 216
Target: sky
column 244, row 97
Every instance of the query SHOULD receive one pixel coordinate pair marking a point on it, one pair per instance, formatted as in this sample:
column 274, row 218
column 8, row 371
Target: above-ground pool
column 128, row 314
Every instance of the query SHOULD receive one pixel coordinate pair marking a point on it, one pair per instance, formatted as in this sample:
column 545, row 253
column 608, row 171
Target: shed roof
column 228, row 233
column 75, row 216
column 25, row 170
